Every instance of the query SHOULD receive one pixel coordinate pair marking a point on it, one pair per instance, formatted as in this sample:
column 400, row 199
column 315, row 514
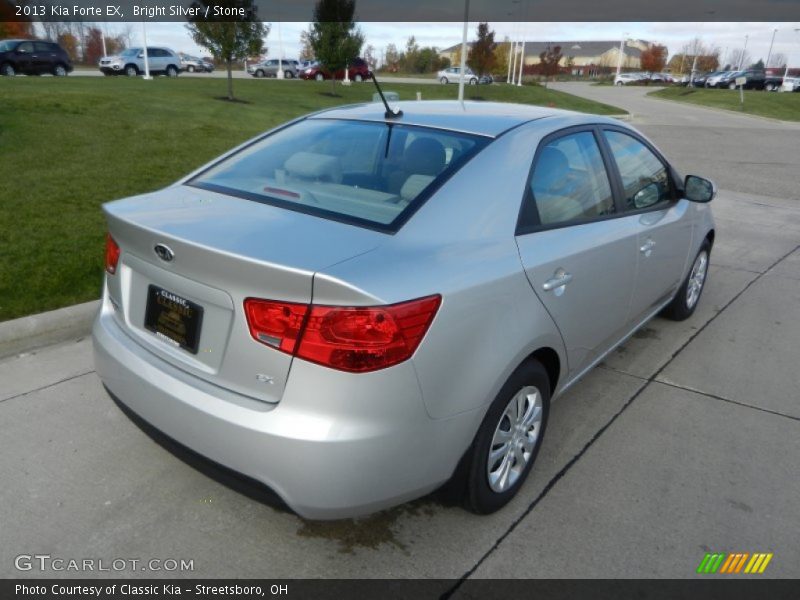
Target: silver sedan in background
column 349, row 311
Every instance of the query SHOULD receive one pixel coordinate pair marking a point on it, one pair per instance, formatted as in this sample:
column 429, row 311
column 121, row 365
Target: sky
column 673, row 35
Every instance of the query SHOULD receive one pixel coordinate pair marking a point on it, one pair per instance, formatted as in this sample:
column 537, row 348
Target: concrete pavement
column 686, row 440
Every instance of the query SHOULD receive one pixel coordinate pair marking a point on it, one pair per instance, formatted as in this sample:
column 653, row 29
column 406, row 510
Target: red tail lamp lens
column 366, row 339
column 355, row 339
column 112, row 254
column 276, row 324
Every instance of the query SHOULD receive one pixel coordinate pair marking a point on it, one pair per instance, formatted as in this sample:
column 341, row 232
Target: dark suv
column 358, row 70
column 754, row 80
column 33, row 57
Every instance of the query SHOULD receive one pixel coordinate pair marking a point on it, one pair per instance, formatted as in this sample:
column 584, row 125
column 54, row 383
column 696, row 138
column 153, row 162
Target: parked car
column 698, row 79
column 713, row 79
column 659, row 77
column 33, row 57
column 754, row 80
column 192, row 64
column 486, row 79
column 358, row 70
column 628, row 78
column 130, row 62
column 349, row 311
column 452, row 75
column 269, row 68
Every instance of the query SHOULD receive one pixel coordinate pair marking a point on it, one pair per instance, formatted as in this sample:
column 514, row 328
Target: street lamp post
column 146, row 57
column 279, row 74
column 769, row 54
column 463, row 53
column 521, row 62
column 786, row 71
column 621, row 52
column 741, row 58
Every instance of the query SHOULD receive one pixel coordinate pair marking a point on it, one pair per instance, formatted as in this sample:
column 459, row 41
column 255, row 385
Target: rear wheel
column 358, row 78
column 618, row 83
column 473, row 81
column 770, row 87
column 172, row 71
column 260, row 73
column 732, row 85
column 190, row 68
column 288, row 74
column 59, row 71
column 319, row 76
column 685, row 302
column 8, row 70
column 509, row 439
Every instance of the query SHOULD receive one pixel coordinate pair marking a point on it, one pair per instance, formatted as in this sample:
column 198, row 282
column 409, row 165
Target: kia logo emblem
column 164, row 253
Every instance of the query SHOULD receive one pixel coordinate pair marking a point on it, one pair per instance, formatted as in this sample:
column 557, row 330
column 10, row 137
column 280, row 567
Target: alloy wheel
column 697, row 279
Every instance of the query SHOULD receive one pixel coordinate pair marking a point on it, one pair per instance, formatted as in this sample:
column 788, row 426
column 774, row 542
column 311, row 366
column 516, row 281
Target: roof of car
column 482, row 118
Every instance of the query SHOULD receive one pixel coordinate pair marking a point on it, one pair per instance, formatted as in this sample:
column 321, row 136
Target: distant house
column 582, row 57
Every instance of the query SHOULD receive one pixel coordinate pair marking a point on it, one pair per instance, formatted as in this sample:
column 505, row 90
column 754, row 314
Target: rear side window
column 370, row 174
column 570, row 182
column 645, row 178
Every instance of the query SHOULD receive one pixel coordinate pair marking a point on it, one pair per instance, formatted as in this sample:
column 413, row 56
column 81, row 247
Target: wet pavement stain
column 368, row 532
column 647, row 333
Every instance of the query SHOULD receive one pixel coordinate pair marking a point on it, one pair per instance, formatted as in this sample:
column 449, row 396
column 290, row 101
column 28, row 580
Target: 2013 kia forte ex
column 358, row 306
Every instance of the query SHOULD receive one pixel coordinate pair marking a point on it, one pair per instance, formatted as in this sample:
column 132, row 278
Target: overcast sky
column 442, row 35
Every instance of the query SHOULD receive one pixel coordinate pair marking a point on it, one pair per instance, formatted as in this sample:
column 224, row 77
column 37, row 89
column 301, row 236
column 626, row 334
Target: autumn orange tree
column 654, row 58
column 13, row 29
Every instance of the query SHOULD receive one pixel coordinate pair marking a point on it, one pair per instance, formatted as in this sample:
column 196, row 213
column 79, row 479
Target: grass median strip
column 69, row 144
column 776, row 105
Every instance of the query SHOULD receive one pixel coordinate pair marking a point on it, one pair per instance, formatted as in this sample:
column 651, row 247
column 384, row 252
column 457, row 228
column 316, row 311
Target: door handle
column 647, row 247
column 561, row 278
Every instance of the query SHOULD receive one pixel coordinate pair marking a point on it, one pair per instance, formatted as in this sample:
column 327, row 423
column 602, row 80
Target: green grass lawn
column 784, row 106
column 68, row 145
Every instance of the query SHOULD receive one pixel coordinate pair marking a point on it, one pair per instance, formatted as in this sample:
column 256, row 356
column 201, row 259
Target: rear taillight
column 355, row 339
column 276, row 324
column 112, row 254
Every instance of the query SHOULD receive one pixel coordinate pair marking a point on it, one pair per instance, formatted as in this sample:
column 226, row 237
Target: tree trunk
column 229, row 64
column 333, row 83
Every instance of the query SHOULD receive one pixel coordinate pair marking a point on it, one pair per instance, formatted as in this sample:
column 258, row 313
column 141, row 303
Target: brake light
column 355, row 339
column 276, row 324
column 112, row 254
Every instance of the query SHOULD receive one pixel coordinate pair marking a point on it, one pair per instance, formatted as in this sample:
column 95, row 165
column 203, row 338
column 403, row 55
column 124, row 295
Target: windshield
column 7, row 45
column 370, row 174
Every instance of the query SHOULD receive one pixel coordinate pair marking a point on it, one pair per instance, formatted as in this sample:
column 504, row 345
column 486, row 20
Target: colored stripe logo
column 734, row 563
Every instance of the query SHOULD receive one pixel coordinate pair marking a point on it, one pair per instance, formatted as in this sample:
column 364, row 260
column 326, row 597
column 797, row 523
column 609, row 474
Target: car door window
column 645, row 178
column 42, row 47
column 570, row 182
column 25, row 47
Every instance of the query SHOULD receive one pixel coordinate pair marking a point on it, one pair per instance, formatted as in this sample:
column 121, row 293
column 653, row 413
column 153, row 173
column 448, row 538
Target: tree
column 410, row 56
column 501, row 52
column 481, row 58
column 306, row 51
column 738, row 58
column 93, row 46
column 228, row 41
column 14, row 29
column 654, row 58
column 370, row 58
column 549, row 61
column 391, row 58
column 70, row 45
column 758, row 65
column 777, row 60
column 334, row 36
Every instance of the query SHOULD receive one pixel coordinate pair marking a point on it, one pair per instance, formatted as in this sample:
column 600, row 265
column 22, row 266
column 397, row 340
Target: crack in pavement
column 49, row 385
column 565, row 469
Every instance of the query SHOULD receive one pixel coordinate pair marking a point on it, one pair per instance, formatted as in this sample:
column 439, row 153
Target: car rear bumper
column 337, row 445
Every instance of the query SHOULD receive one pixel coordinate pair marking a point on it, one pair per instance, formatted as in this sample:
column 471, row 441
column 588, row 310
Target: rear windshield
column 370, row 174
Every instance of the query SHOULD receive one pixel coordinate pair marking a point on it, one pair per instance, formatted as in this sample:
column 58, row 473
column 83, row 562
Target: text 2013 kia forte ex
column 359, row 305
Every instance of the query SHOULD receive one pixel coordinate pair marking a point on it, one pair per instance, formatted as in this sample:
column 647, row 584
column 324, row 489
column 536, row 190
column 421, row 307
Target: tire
column 260, row 73
column 171, row 71
column 319, row 77
column 59, row 71
column 473, row 81
column 732, row 85
column 770, row 87
column 490, row 486
column 190, row 68
column 131, row 70
column 618, row 83
column 443, row 80
column 358, row 78
column 8, row 70
column 288, row 75
column 686, row 300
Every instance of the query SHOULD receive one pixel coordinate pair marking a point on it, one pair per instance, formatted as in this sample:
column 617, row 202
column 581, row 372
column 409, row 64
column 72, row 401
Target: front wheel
column 259, row 73
column 358, row 78
column 443, row 80
column 131, row 71
column 732, row 85
column 473, row 81
column 190, row 68
column 172, row 71
column 685, row 302
column 319, row 77
column 59, row 71
column 7, row 70
column 770, row 87
column 509, row 439
column 288, row 74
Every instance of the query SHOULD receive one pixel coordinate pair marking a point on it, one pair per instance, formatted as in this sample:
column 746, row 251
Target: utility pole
column 769, row 54
column 146, row 56
column 621, row 52
column 463, row 53
column 741, row 58
column 521, row 62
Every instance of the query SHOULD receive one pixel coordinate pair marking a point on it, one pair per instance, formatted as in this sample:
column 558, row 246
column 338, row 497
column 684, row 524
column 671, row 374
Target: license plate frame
column 173, row 318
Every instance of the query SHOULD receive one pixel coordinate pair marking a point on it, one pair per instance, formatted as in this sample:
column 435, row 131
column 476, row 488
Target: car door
column 24, row 56
column 44, row 57
column 654, row 210
column 579, row 258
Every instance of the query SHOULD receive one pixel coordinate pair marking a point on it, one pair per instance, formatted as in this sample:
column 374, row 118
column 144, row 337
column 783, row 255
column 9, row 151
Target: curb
column 28, row 333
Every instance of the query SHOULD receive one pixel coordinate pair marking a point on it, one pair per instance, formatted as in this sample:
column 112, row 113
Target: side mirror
column 647, row 196
column 141, row 55
column 698, row 189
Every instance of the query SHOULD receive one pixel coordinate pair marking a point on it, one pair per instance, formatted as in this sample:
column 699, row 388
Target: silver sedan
column 350, row 311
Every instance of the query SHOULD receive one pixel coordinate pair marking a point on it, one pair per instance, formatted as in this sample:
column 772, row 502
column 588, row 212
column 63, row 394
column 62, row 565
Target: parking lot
column 685, row 440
